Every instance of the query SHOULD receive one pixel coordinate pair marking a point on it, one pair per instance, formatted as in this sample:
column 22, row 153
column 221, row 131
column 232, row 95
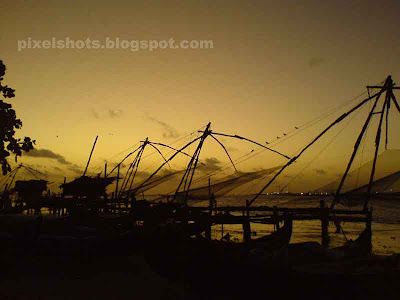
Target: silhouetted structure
column 30, row 192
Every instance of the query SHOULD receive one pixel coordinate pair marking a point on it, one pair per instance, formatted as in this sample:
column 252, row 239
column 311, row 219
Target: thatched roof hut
column 87, row 186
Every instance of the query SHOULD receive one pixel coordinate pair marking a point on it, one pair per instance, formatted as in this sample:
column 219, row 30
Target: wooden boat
column 273, row 248
column 174, row 255
column 360, row 247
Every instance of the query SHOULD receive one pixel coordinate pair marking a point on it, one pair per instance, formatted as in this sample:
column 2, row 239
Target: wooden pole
column 276, row 217
column 369, row 219
column 369, row 226
column 246, row 232
column 208, row 232
column 324, row 224
column 90, row 156
column 4, row 197
column 112, row 202
column 388, row 85
column 338, row 120
column 356, row 146
column 210, row 199
column 116, row 187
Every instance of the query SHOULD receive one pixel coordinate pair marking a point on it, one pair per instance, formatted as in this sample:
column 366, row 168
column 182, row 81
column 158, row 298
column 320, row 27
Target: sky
column 273, row 66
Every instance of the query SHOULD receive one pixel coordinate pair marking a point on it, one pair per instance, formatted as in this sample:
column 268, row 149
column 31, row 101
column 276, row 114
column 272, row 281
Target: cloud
column 231, row 149
column 111, row 113
column 211, row 164
column 168, row 131
column 46, row 153
column 320, row 171
column 315, row 62
column 75, row 169
column 114, row 113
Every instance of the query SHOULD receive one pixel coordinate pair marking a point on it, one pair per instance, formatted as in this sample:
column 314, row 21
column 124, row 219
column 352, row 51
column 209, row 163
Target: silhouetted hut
column 30, row 192
column 89, row 187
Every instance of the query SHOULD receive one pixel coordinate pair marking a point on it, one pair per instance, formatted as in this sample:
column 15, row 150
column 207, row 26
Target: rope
column 362, row 153
column 333, row 139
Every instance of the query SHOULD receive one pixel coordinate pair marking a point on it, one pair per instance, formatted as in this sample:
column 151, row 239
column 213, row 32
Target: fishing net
column 225, row 186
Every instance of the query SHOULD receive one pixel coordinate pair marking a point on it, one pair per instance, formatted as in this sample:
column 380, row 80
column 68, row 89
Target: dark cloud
column 75, row 169
column 315, row 62
column 114, row 113
column 57, row 168
column 320, row 171
column 168, row 131
column 46, row 153
column 211, row 164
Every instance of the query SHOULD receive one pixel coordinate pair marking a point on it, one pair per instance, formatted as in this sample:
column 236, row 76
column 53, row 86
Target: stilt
column 246, row 232
column 369, row 219
column 208, row 232
column 276, row 218
column 324, row 224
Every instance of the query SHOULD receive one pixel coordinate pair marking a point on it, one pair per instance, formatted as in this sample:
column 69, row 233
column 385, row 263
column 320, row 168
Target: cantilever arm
column 124, row 159
column 226, row 151
column 160, row 154
column 169, row 159
column 27, row 167
column 338, row 120
column 184, row 153
column 251, row 141
column 395, row 101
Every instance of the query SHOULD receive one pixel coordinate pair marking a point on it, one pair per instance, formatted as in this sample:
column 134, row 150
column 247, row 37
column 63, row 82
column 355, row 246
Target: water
column 385, row 225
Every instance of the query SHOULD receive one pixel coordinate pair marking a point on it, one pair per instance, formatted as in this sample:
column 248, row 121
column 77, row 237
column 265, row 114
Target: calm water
column 385, row 226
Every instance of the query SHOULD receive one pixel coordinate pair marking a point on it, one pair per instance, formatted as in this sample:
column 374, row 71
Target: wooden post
column 246, row 232
column 324, row 214
column 62, row 197
column 209, row 187
column 247, row 208
column 369, row 226
column 112, row 202
column 4, row 197
column 369, row 220
column 208, row 232
column 90, row 156
column 116, row 190
column 276, row 217
column 211, row 203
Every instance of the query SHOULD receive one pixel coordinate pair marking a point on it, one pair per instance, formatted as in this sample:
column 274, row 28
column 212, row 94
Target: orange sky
column 274, row 65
